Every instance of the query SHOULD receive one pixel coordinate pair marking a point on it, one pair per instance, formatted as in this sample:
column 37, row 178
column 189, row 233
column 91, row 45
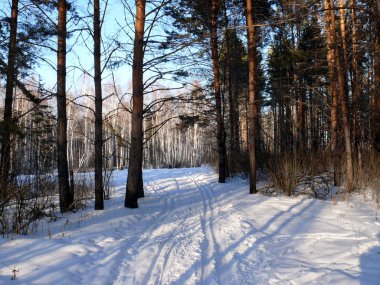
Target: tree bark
column 334, row 96
column 330, row 23
column 99, row 203
column 66, row 198
column 134, row 188
column 220, row 136
column 7, row 123
column 252, row 104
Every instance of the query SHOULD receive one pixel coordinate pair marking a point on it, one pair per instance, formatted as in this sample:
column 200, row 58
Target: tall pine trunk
column 334, row 96
column 252, row 104
column 330, row 24
column 7, row 123
column 220, row 135
column 134, row 182
column 66, row 197
column 99, row 203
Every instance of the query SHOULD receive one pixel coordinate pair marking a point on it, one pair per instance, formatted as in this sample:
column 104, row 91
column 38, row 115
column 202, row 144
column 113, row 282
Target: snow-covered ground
column 191, row 230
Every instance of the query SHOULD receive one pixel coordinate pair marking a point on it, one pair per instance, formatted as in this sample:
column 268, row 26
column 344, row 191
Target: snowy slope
column 191, row 230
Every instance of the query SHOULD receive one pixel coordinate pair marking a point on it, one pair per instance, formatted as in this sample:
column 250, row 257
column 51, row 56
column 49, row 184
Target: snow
column 191, row 230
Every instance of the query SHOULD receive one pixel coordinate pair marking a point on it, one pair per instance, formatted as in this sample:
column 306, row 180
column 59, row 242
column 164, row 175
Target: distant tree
column 234, row 71
column 200, row 21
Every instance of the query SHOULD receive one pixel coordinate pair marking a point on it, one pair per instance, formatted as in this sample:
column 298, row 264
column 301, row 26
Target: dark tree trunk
column 376, row 112
column 233, row 153
column 302, row 112
column 314, row 113
column 134, row 182
column 66, row 197
column 252, row 105
column 234, row 111
column 7, row 123
column 99, row 203
column 355, row 86
column 288, row 122
column 297, row 102
column 220, row 136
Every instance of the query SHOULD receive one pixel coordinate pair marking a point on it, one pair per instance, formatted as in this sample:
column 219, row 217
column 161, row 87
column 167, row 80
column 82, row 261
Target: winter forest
column 133, row 133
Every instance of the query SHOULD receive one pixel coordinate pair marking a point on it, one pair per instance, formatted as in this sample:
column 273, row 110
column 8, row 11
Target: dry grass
column 27, row 201
column 367, row 175
column 295, row 174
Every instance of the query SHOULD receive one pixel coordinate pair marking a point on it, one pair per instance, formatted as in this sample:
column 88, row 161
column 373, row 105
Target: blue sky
column 79, row 49
column 79, row 54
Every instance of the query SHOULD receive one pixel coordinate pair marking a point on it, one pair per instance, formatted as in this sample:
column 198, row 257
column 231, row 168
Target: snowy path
column 191, row 230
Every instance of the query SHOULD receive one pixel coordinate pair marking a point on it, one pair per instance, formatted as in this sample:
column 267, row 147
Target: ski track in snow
column 191, row 230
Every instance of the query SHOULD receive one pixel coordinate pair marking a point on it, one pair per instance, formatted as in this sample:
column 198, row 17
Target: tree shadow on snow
column 370, row 266
column 225, row 267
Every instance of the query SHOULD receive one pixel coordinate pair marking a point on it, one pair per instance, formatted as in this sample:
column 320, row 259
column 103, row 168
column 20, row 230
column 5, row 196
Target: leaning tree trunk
column 252, row 104
column 66, row 197
column 99, row 203
column 220, row 136
column 7, row 122
column 134, row 182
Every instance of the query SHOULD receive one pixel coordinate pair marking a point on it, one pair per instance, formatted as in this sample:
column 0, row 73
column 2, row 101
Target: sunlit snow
column 191, row 230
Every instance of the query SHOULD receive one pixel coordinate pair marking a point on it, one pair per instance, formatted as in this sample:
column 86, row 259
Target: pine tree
column 66, row 197
column 252, row 105
column 200, row 21
column 134, row 186
column 99, row 204
column 7, row 122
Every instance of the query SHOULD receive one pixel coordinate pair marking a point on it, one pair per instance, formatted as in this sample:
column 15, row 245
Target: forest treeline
column 284, row 89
